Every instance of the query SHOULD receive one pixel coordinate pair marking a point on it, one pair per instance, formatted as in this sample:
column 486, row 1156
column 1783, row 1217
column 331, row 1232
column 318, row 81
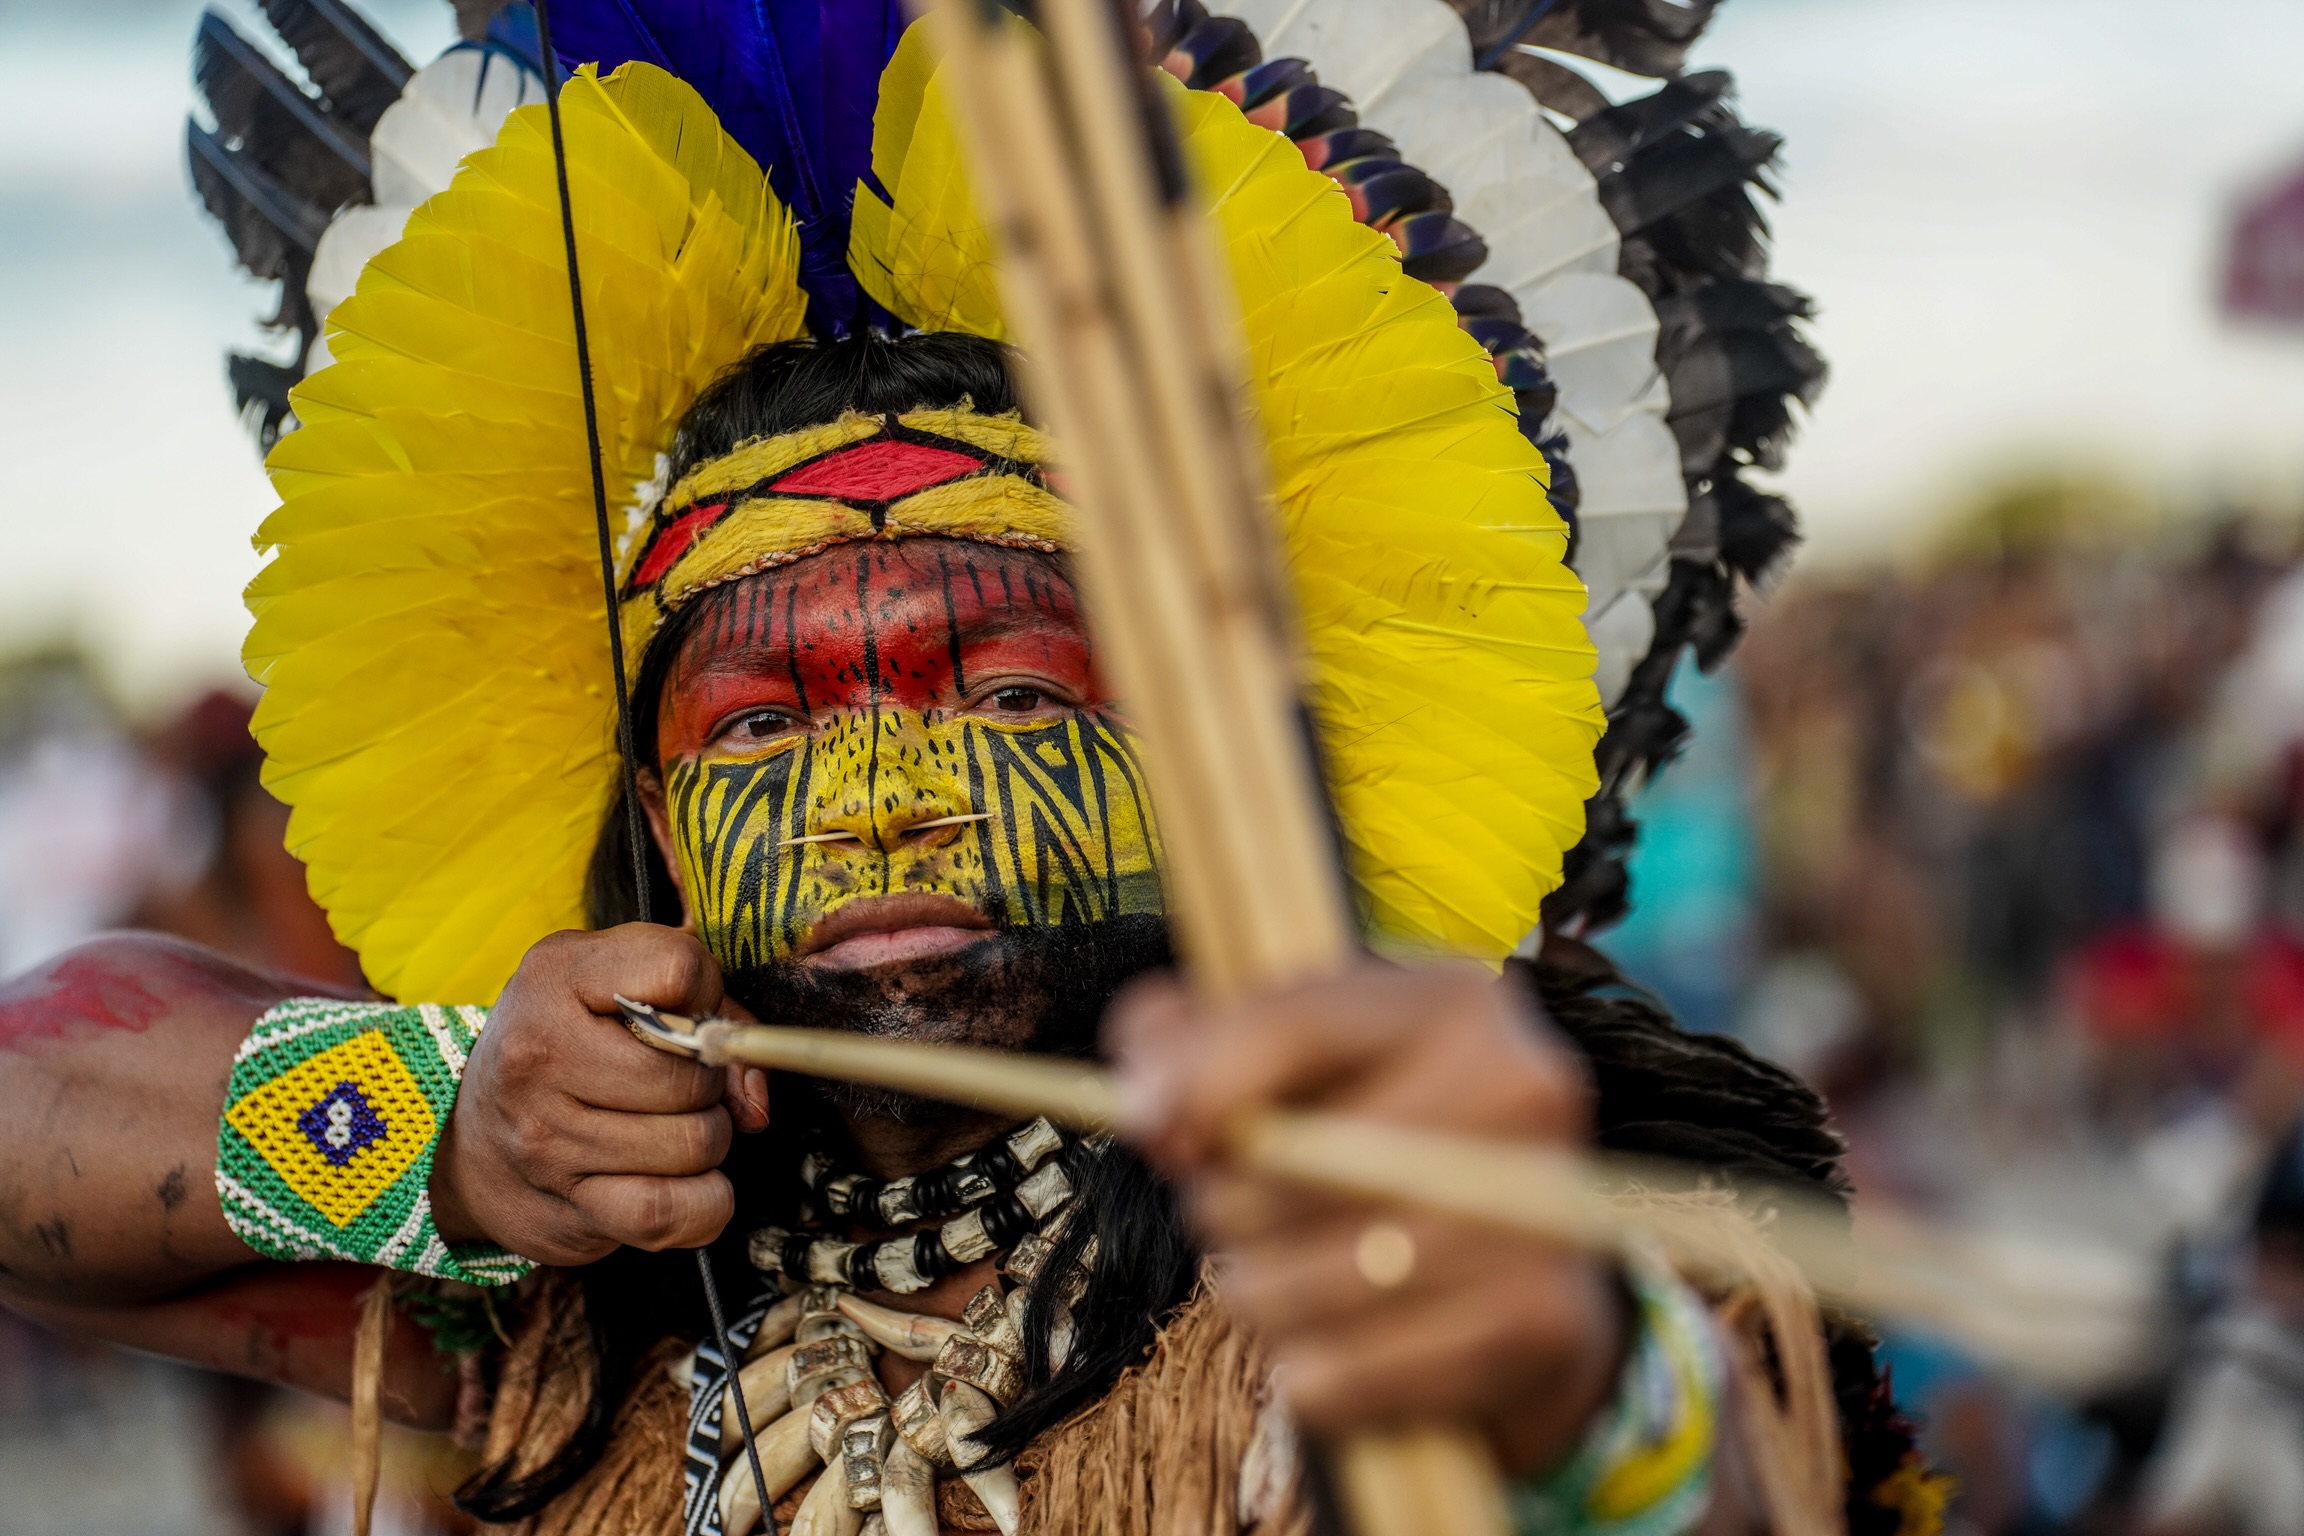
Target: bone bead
column 968, row 1359
column 835, row 1362
column 965, row 1409
column 785, row 1458
column 820, row 1315
column 767, row 1393
column 1045, row 1190
column 913, row 1335
column 964, row 1237
column 833, row 1410
column 987, row 1317
column 825, row 1511
column 997, row 1487
column 1033, row 1143
column 920, row 1426
column 907, row 1492
column 864, row 1452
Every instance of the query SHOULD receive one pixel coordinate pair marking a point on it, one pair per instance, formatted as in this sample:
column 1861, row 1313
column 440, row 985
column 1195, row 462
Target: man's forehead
column 935, row 589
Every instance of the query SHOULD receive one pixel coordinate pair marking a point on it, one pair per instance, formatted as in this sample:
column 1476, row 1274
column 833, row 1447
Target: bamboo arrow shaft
column 2058, row 1313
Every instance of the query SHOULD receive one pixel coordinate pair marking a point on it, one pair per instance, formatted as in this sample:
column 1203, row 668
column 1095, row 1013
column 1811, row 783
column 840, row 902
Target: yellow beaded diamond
column 340, row 1127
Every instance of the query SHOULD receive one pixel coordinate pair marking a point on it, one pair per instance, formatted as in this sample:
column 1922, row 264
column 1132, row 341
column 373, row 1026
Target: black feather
column 1644, row 37
column 271, row 228
column 1553, row 83
column 1340, row 145
column 358, row 72
column 1756, row 532
column 260, row 391
column 273, row 124
column 1685, row 169
column 1732, row 391
column 1436, row 247
column 1735, row 360
column 1593, row 885
column 1485, row 301
column 1607, row 138
column 1215, row 48
column 1382, row 188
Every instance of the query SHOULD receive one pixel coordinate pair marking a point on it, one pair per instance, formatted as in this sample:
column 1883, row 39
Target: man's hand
column 1379, row 1316
column 571, row 1138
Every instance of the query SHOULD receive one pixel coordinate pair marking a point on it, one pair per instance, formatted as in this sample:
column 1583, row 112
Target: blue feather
column 793, row 81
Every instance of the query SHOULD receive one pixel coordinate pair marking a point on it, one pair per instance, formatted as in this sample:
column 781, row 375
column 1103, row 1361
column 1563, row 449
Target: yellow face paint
column 771, row 845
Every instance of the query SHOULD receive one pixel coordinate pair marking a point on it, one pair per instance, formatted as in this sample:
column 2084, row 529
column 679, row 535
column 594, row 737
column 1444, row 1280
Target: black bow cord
column 635, row 824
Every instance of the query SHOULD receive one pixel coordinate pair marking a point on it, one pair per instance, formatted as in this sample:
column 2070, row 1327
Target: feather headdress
column 430, row 630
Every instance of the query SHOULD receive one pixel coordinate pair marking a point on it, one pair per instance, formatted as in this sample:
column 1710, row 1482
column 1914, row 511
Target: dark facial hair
column 1041, row 989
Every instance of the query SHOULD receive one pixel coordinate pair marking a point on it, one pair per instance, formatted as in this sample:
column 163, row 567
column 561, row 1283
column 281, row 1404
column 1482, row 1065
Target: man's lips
column 881, row 930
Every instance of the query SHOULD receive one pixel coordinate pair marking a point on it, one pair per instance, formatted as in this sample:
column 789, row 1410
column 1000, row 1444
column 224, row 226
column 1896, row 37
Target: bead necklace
column 807, row 1357
column 1002, row 1192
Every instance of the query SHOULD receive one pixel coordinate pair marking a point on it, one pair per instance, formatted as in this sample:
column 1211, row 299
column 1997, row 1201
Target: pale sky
column 2010, row 211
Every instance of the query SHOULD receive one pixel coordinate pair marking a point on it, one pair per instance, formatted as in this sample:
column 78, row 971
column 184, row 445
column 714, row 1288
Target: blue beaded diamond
column 341, row 1125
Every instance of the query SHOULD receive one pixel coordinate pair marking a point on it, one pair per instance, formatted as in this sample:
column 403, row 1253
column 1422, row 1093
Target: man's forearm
column 289, row 1324
column 113, row 1064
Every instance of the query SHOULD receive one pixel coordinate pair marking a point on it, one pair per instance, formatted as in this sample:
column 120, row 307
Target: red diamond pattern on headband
column 880, row 471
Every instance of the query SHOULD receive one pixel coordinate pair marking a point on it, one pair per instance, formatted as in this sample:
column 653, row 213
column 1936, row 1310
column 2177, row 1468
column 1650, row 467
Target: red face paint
column 914, row 723
column 922, row 624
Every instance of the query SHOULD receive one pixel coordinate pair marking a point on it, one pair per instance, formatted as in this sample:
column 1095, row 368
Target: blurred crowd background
column 1993, row 829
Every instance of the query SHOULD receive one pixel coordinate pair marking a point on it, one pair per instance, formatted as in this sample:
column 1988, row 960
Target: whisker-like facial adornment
column 887, row 750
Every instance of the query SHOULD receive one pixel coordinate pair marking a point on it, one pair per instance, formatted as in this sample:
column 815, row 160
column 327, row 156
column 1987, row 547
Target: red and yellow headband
column 953, row 474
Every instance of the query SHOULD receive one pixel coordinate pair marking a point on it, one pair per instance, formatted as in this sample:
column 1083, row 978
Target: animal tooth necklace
column 806, row 1350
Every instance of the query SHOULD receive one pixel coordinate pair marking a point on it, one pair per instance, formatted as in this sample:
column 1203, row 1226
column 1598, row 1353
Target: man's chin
column 1022, row 988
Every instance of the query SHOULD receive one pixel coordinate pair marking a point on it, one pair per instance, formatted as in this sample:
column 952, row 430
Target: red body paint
column 76, row 992
column 918, row 623
column 133, row 982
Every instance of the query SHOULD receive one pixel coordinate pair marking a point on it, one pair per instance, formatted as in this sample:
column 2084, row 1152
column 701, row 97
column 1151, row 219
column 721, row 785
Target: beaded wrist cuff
column 1645, row 1468
column 325, row 1150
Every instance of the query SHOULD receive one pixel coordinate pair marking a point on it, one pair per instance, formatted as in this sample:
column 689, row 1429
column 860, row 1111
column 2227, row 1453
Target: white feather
column 1407, row 65
column 451, row 108
column 1621, row 632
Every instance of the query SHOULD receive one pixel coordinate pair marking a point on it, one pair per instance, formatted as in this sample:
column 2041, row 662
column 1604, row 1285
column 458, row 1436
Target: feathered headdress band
column 956, row 474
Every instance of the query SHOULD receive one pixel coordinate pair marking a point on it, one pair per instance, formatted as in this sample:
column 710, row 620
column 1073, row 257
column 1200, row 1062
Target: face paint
column 889, row 719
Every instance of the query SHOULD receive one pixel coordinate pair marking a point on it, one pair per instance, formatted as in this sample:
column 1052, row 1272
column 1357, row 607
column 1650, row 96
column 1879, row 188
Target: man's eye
column 1018, row 701
column 759, row 725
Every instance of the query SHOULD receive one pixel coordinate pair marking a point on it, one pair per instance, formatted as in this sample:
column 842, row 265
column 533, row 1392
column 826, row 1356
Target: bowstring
column 635, row 822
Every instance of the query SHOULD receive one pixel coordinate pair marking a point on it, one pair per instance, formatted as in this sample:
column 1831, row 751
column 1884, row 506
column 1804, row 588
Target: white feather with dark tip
column 451, row 108
column 1408, row 67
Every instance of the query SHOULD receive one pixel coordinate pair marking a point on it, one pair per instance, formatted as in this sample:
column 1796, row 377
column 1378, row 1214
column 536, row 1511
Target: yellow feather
column 430, row 630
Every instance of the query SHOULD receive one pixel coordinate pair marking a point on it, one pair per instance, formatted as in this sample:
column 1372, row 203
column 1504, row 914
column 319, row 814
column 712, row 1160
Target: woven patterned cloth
column 331, row 1118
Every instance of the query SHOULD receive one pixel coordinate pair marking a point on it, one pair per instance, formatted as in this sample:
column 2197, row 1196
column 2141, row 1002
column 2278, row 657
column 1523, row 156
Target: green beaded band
column 1645, row 1469
column 330, row 1121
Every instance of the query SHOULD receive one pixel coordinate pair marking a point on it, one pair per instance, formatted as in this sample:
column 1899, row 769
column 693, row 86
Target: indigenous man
column 573, row 1145
column 885, row 781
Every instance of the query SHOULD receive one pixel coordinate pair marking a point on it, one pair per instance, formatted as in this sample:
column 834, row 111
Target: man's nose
column 893, row 797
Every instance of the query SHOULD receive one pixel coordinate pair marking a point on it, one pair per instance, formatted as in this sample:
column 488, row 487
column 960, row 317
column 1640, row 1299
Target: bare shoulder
column 139, row 984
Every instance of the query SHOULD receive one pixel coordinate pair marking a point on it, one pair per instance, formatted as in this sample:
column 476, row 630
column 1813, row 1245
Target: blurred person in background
column 250, row 900
column 2232, row 1460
